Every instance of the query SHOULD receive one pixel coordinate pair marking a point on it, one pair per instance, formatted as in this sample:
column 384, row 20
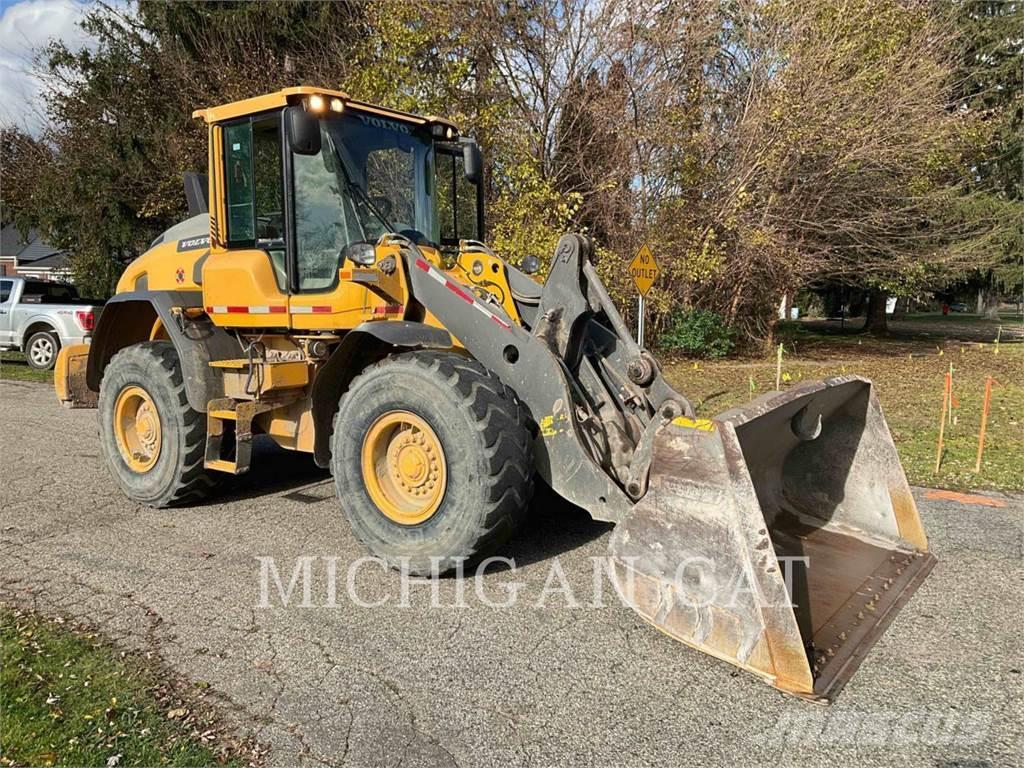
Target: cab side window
column 456, row 200
column 239, row 184
column 254, row 189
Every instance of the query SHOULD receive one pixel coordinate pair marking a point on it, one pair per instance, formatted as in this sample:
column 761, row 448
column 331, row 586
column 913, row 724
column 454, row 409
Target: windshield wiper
column 357, row 190
column 361, row 194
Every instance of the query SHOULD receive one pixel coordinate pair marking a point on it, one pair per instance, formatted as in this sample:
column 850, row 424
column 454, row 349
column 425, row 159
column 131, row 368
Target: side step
column 229, row 434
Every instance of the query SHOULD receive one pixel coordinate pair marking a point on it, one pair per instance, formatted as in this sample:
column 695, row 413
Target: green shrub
column 699, row 332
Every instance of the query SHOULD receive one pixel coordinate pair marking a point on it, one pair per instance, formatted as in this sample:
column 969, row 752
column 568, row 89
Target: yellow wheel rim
column 137, row 428
column 404, row 469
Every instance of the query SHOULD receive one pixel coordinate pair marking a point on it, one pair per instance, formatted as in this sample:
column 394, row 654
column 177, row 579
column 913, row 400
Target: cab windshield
column 371, row 176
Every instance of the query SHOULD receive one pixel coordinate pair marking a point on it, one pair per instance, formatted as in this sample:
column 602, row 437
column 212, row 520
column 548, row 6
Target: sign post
column 644, row 270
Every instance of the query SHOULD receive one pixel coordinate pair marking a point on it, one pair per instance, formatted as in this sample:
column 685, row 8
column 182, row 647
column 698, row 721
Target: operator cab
column 315, row 183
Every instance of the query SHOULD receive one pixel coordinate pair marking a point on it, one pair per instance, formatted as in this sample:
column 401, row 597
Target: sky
column 26, row 26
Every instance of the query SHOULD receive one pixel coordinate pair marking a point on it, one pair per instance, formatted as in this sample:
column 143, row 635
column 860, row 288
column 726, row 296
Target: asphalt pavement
column 461, row 673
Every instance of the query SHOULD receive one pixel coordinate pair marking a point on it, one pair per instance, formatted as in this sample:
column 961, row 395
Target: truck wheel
column 432, row 459
column 41, row 350
column 153, row 442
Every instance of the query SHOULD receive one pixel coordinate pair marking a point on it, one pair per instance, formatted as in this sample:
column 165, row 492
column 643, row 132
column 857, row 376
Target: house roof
column 55, row 260
column 26, row 250
column 10, row 241
column 36, row 251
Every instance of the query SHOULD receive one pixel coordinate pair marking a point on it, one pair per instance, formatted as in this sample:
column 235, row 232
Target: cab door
column 329, row 291
column 245, row 277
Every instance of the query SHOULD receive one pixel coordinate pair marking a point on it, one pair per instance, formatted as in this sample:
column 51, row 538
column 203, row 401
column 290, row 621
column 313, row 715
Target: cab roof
column 294, row 95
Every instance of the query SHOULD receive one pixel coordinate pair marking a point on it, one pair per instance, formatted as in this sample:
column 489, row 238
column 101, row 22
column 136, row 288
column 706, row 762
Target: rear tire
column 172, row 472
column 487, row 470
column 41, row 350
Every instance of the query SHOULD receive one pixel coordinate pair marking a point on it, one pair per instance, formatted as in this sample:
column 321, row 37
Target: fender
column 363, row 345
column 127, row 319
column 27, row 328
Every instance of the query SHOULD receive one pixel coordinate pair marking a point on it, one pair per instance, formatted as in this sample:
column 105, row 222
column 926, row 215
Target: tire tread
column 192, row 482
column 500, row 418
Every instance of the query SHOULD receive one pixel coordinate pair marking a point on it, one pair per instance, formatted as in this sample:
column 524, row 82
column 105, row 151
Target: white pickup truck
column 38, row 318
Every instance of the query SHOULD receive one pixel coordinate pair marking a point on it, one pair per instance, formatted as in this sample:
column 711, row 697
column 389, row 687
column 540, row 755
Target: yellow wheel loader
column 330, row 291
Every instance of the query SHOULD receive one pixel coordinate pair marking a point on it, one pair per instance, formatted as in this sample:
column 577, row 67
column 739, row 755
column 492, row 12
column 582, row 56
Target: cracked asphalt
column 520, row 685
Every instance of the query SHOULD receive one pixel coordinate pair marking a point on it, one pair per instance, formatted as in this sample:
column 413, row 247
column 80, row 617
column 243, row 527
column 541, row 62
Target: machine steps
column 229, row 433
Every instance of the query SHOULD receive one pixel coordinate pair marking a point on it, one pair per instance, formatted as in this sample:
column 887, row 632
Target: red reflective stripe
column 278, row 310
column 346, row 274
column 209, row 310
column 422, row 265
column 238, row 310
column 391, row 309
column 459, row 292
column 501, row 322
column 319, row 310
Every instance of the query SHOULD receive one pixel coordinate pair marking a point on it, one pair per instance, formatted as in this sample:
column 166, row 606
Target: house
column 31, row 256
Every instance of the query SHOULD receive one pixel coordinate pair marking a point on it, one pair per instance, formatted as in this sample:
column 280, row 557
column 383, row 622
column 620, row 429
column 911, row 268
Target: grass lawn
column 908, row 369
column 68, row 698
column 13, row 366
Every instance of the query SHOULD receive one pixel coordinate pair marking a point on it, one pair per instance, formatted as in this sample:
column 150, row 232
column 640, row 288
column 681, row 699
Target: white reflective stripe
column 220, row 309
column 302, row 310
column 434, row 273
column 259, row 310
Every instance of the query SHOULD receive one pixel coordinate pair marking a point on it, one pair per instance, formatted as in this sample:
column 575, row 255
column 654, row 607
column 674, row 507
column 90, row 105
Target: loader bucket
column 781, row 537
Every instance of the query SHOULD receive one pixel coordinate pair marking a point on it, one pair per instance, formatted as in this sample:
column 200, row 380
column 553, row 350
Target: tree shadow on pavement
column 275, row 471
column 553, row 526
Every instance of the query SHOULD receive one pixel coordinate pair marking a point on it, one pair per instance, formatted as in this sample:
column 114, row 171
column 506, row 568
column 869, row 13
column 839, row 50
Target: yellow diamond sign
column 644, row 269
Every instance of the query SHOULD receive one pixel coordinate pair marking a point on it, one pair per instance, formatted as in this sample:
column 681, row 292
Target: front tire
column 153, row 442
column 41, row 350
column 432, row 460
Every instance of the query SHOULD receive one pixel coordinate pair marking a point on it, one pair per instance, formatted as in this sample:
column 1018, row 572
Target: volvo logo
column 387, row 125
column 191, row 243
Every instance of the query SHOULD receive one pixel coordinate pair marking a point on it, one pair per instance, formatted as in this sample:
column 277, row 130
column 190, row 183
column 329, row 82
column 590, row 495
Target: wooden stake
column 778, row 369
column 984, row 423
column 949, row 415
column 942, row 422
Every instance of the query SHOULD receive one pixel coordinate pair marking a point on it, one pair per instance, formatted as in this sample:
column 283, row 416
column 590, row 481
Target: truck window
column 5, row 290
column 49, row 290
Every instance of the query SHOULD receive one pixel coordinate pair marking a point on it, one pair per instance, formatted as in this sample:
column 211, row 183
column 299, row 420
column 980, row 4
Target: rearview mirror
column 472, row 162
column 303, row 131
